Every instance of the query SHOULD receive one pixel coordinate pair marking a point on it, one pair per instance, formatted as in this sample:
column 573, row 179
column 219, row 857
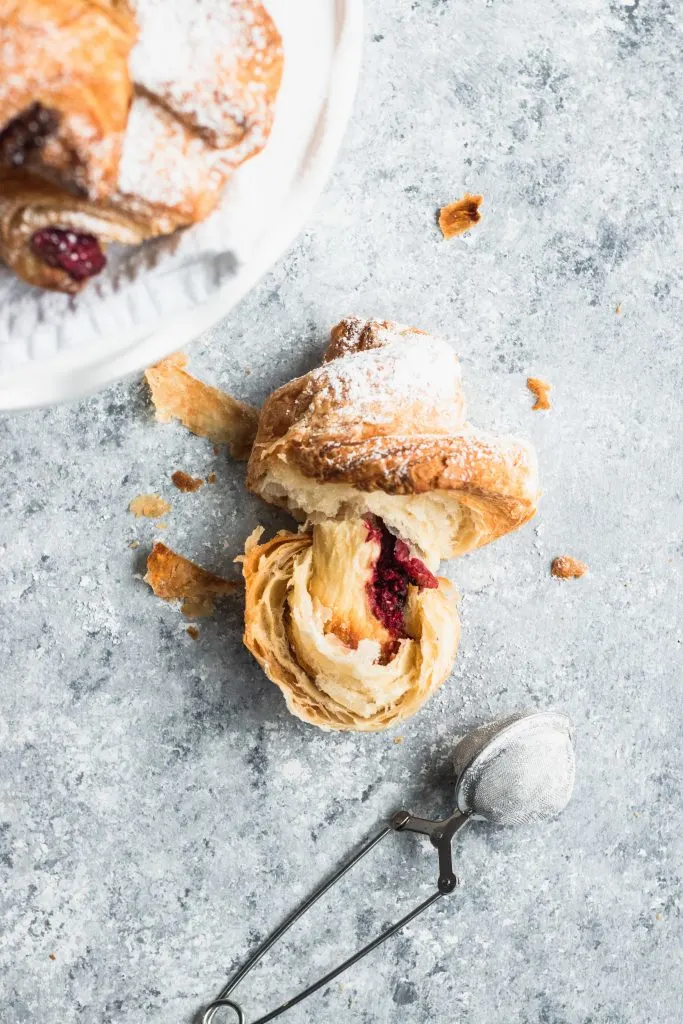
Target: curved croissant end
column 312, row 601
column 382, row 425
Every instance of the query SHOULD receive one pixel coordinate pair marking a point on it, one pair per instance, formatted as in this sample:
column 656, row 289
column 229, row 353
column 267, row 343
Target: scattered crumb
column 134, row 544
column 398, row 739
column 193, row 632
column 185, row 482
column 174, row 578
column 659, row 917
column 460, row 216
column 618, row 310
column 161, row 525
column 52, row 956
column 540, row 389
column 149, row 505
column 211, row 478
column 565, row 568
column 204, row 410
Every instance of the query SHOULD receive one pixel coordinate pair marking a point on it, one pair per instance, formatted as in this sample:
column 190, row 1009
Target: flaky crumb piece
column 203, row 409
column 564, row 567
column 185, row 482
column 211, row 478
column 398, row 739
column 149, row 505
column 193, row 632
column 460, row 216
column 175, row 578
column 540, row 389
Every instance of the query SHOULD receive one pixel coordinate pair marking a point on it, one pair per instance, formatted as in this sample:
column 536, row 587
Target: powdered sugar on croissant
column 382, row 425
column 373, row 451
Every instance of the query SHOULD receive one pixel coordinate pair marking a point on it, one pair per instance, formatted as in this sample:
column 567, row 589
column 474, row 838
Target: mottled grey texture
column 159, row 808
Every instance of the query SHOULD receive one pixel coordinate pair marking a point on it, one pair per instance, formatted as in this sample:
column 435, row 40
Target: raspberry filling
column 26, row 133
column 79, row 255
column 394, row 570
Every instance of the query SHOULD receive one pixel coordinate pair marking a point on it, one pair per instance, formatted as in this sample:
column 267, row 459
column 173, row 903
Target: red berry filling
column 394, row 570
column 79, row 255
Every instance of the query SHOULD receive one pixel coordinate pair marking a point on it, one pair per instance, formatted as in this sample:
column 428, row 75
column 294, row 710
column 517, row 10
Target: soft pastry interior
column 373, row 453
column 350, row 623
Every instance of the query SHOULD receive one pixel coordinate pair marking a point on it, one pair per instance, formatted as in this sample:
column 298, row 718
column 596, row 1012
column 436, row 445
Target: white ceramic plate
column 55, row 349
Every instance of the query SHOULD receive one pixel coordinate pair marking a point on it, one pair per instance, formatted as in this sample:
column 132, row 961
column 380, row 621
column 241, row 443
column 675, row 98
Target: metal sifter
column 515, row 771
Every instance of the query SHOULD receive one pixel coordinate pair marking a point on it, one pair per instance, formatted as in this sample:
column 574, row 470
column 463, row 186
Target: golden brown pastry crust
column 386, row 414
column 28, row 204
column 184, row 135
column 325, row 682
column 67, row 61
column 203, row 409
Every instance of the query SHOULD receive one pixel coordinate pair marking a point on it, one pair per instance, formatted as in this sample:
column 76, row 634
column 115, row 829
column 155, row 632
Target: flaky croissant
column 206, row 80
column 53, row 239
column 65, row 89
column 372, row 450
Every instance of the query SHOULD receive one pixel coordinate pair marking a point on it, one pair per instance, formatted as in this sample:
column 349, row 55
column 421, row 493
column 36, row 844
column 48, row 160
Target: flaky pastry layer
column 329, row 678
column 381, row 427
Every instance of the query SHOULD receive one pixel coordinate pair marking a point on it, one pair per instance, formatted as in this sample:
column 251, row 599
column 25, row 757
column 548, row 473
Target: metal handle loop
column 210, row 1011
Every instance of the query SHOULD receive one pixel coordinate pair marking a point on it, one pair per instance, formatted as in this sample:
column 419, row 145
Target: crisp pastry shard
column 373, row 451
column 460, row 216
column 203, row 409
column 175, row 578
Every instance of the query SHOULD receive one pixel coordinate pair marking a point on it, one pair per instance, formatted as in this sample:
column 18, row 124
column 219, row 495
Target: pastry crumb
column 618, row 310
column 211, row 478
column 193, row 632
column 151, row 506
column 52, row 956
column 398, row 739
column 161, row 525
column 540, row 389
column 460, row 216
column 185, row 482
column 175, row 578
column 203, row 409
column 134, row 544
column 564, row 567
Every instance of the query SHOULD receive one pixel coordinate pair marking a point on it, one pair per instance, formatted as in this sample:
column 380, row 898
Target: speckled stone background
column 159, row 809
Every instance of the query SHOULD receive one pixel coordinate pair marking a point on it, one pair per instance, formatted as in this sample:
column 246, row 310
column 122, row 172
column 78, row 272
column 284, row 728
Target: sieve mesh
column 517, row 771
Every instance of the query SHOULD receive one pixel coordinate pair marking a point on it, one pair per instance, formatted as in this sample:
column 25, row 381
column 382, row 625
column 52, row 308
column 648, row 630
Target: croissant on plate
column 65, row 89
column 206, row 78
column 373, row 453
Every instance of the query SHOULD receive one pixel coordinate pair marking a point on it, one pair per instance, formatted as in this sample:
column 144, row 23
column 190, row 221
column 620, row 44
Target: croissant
column 65, row 89
column 181, row 143
column 373, row 452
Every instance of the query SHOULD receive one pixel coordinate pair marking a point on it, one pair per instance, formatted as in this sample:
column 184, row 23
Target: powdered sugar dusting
column 207, row 60
column 164, row 164
column 405, row 367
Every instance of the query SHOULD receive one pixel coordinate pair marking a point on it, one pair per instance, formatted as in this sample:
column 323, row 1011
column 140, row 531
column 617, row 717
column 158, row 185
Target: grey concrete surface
column 159, row 809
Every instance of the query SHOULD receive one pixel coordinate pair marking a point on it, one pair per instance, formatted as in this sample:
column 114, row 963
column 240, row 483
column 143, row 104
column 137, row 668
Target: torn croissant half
column 373, row 452
column 354, row 630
